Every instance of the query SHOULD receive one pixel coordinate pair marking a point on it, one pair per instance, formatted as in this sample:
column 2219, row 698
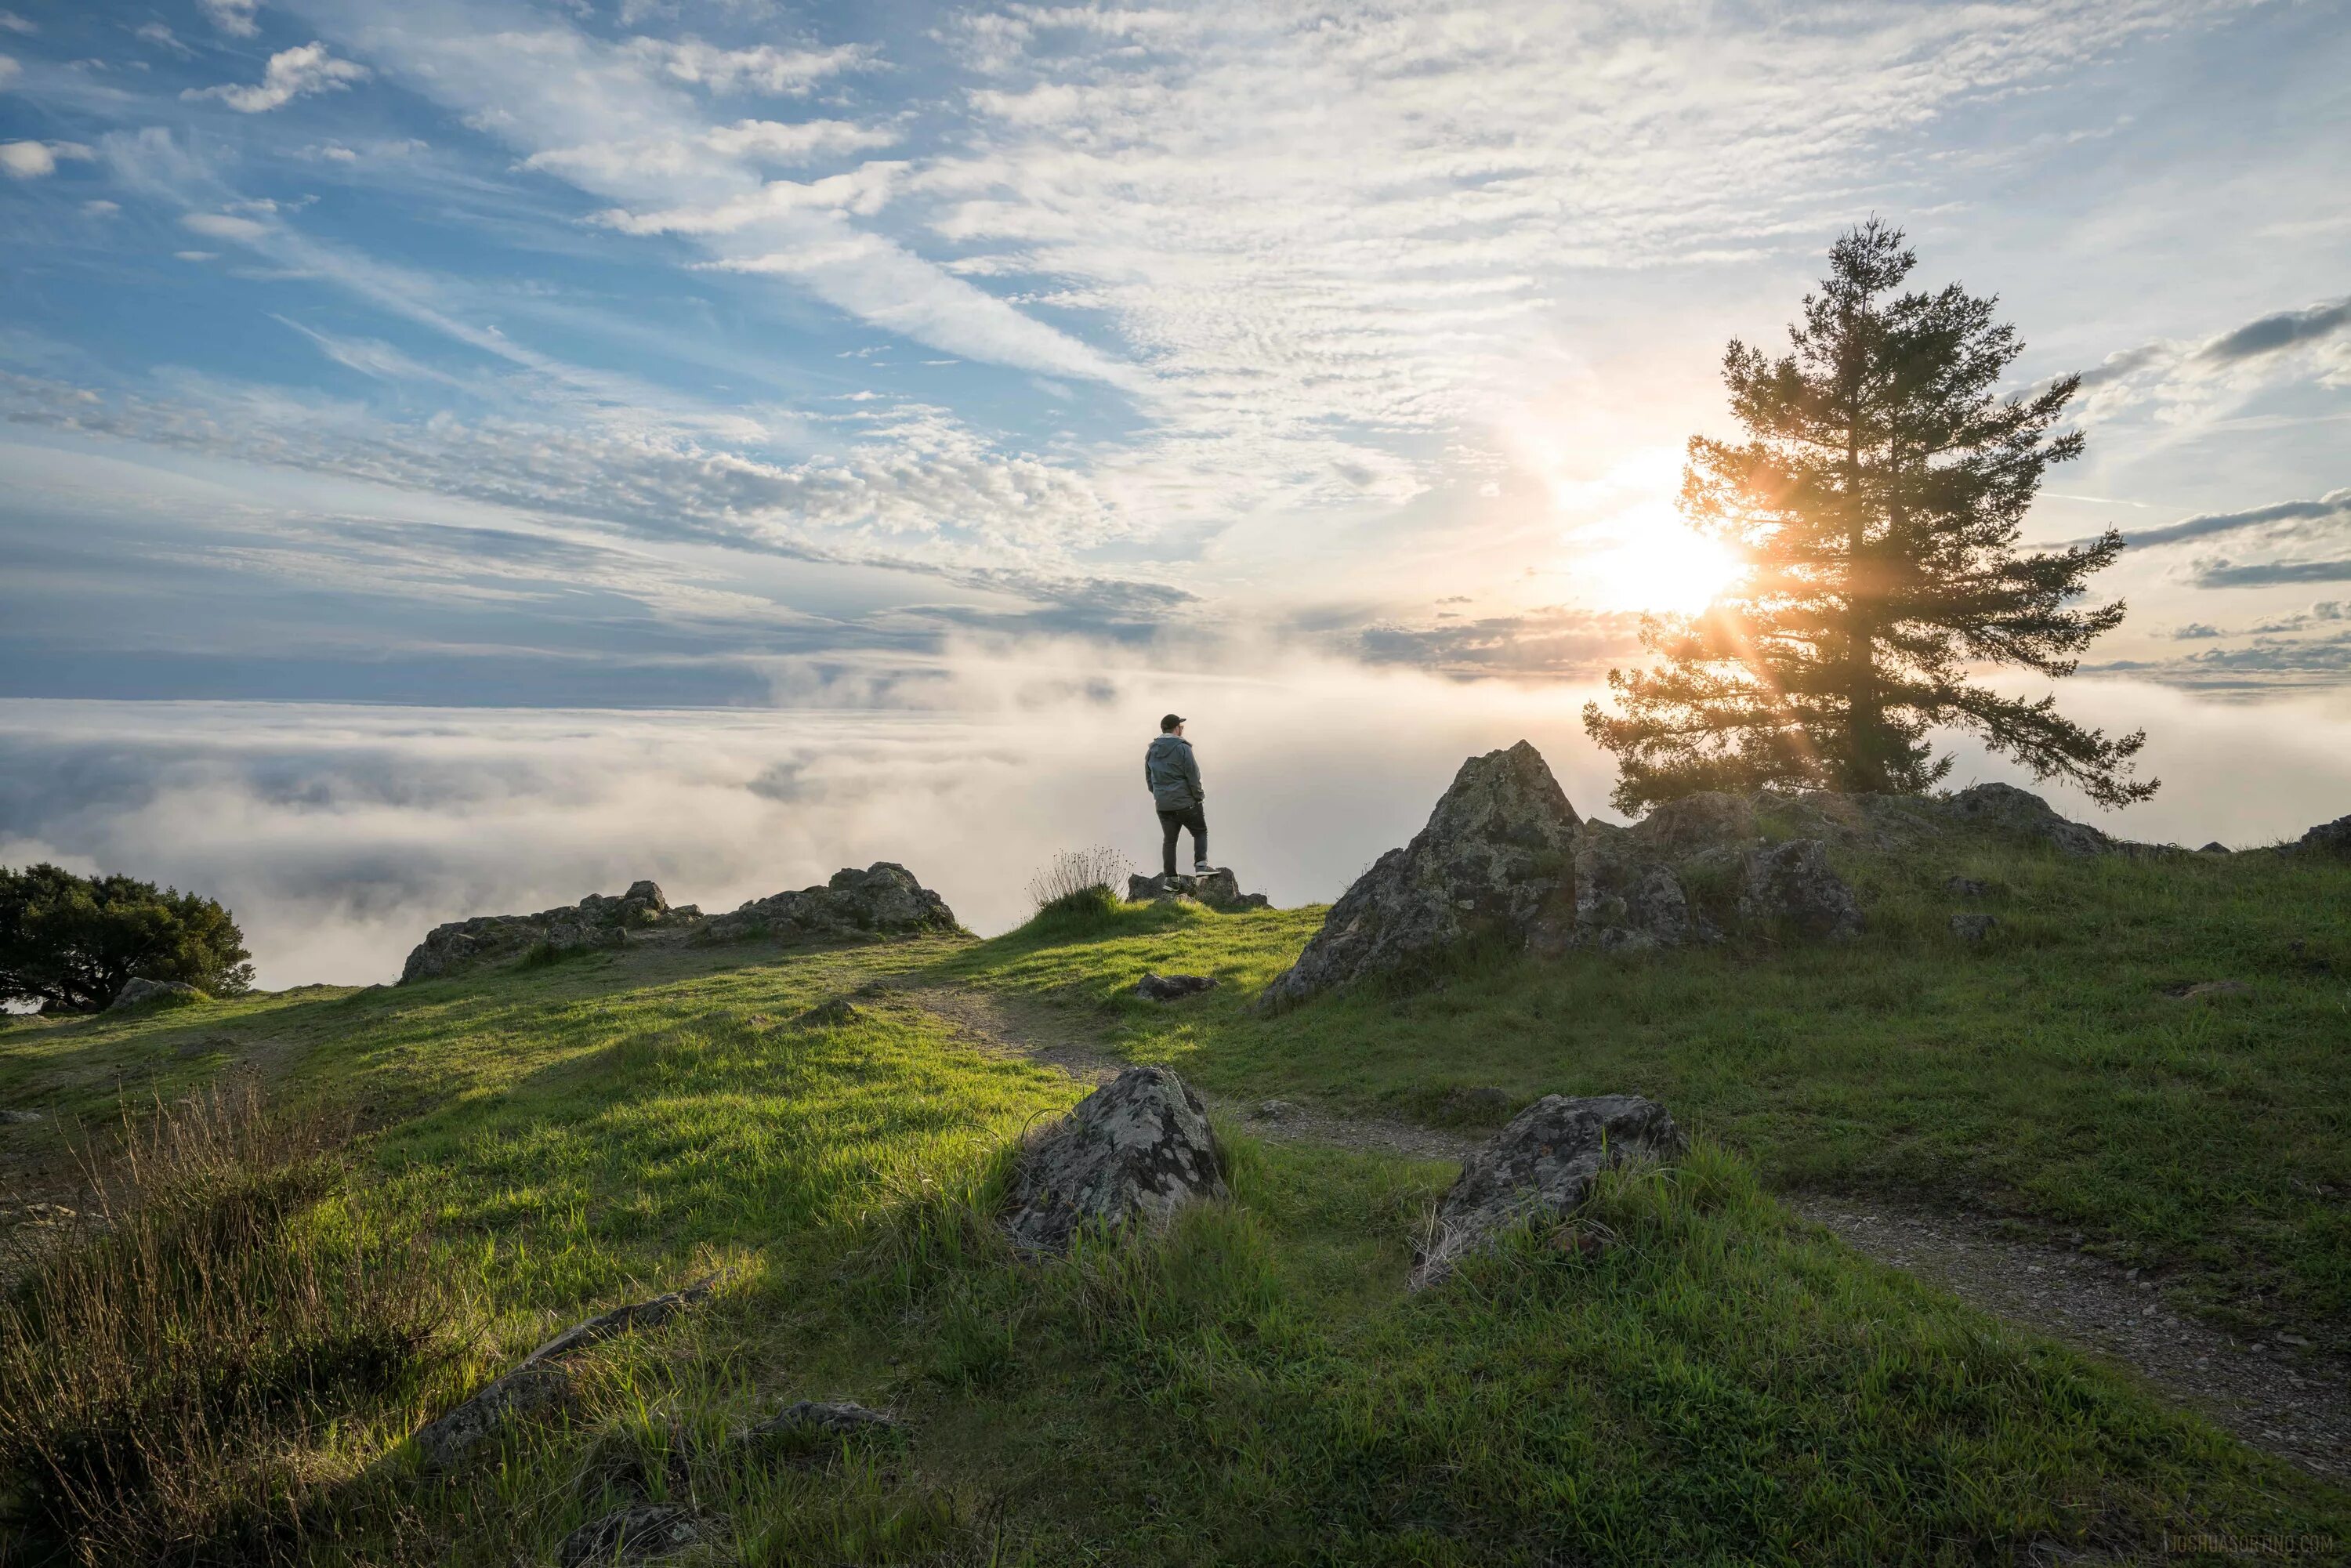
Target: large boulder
column 1625, row 897
column 2006, row 808
column 1132, row 1153
column 1542, row 1167
column 882, row 899
column 1494, row 862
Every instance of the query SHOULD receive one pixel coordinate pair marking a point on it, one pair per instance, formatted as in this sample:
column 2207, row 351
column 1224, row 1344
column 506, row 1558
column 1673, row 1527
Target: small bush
column 169, row 1375
column 1078, row 879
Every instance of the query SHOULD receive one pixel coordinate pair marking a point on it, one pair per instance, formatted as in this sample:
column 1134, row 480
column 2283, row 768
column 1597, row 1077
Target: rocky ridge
column 1505, row 859
column 882, row 899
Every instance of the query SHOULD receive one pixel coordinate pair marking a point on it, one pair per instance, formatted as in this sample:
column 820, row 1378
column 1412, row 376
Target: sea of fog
column 339, row 834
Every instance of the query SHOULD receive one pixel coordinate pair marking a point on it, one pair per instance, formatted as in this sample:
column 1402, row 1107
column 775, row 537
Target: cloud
column 2223, row 574
column 163, row 38
column 224, row 225
column 861, row 191
column 234, row 17
column 290, row 74
column 36, row 160
column 1558, row 641
column 775, row 141
column 766, row 68
column 2282, row 330
column 2334, row 506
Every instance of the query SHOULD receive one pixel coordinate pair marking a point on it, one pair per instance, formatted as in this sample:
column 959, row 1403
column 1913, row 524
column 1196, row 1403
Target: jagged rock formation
column 813, row 1421
column 1495, row 858
column 1505, row 859
column 140, row 993
column 1132, row 1152
column 884, row 900
column 1216, row 888
column 1542, row 1167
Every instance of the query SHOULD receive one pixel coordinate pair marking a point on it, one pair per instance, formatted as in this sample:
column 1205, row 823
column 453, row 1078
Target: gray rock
column 2209, row 988
column 2216, row 848
column 1964, row 887
column 1169, row 987
column 2327, row 838
column 597, row 921
column 1709, row 820
column 1792, row 884
column 1542, row 1167
column 1624, row 898
column 138, row 993
column 2008, row 810
column 1276, row 1111
column 882, row 899
column 1218, row 889
column 834, row 1012
column 528, row 1392
column 624, row 1320
column 1132, row 1153
column 1972, row 927
column 636, row 1533
column 19, row 1118
column 813, row 1421
column 1494, row 862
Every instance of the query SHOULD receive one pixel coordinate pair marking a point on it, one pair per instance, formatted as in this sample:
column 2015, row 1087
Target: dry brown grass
column 183, row 1378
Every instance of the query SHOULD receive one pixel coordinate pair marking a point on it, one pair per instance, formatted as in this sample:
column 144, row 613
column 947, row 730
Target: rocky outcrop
column 1172, row 987
column 1494, row 862
column 1793, row 886
column 814, row 1423
column 1625, row 898
column 140, row 993
column 884, row 900
column 1217, row 889
column 1543, row 1166
column 541, row 1385
column 525, row 1393
column 2331, row 839
column 2020, row 813
column 599, row 920
column 1133, row 1152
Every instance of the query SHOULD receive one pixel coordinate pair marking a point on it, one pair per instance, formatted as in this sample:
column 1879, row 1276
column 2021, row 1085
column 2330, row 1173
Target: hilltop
column 2137, row 1066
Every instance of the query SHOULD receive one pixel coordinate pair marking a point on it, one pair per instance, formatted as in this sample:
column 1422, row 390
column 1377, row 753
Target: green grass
column 1721, row 1384
column 2045, row 1074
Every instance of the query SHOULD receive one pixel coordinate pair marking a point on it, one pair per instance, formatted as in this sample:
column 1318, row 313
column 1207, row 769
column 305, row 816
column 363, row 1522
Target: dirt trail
column 2275, row 1395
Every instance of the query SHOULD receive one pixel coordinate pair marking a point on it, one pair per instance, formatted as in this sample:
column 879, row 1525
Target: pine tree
column 1875, row 503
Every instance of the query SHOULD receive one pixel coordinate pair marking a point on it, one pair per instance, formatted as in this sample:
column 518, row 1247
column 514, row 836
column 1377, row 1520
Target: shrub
column 176, row 1379
column 1078, row 879
column 70, row 943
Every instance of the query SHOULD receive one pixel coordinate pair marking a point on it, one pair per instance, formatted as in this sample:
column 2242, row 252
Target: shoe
column 1204, row 871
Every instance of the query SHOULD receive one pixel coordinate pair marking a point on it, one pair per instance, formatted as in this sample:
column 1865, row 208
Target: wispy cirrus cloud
column 290, row 74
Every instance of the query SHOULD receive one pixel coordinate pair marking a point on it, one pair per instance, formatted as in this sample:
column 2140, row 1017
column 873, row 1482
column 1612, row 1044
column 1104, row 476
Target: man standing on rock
column 1175, row 782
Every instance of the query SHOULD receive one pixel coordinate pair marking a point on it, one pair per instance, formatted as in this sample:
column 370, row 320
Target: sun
column 1647, row 558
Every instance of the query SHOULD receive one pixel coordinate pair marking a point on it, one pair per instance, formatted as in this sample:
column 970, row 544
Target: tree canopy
column 70, row 943
column 1875, row 501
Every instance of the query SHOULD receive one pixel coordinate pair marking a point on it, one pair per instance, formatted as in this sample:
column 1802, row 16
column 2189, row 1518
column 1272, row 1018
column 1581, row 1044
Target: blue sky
column 676, row 354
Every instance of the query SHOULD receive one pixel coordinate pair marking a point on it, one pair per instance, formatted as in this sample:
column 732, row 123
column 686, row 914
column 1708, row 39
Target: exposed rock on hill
column 1495, row 858
column 637, row 1532
column 2327, row 838
column 884, row 900
column 1505, row 859
column 1132, row 1152
column 1216, row 888
column 1542, row 1167
column 1173, row 987
column 140, row 993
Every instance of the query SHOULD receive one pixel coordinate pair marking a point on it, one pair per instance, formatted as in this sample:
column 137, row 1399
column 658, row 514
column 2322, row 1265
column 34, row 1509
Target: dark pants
column 1170, row 823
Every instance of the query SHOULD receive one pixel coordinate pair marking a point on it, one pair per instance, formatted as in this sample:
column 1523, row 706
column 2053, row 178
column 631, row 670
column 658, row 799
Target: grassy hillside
column 478, row 1162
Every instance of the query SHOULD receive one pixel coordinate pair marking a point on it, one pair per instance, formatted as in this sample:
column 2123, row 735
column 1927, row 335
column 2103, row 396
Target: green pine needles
column 1876, row 502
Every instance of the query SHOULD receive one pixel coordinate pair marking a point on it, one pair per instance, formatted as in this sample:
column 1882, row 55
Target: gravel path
column 2277, row 1395
column 2285, row 1398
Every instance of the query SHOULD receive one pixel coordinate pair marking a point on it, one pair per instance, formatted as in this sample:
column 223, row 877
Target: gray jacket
column 1173, row 776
